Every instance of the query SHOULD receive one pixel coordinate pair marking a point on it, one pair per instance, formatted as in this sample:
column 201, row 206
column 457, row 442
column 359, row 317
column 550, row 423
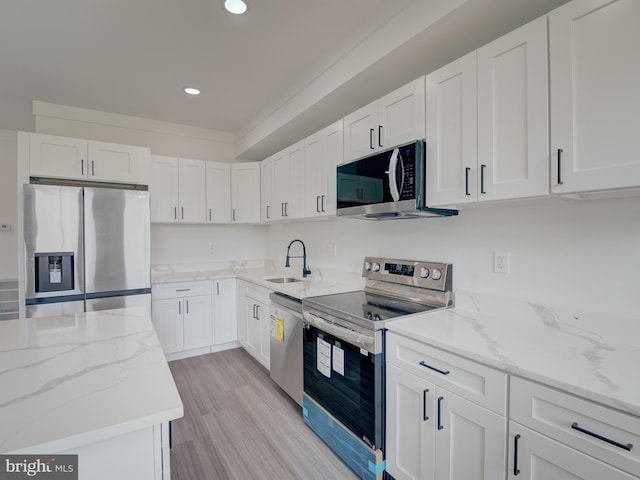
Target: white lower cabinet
column 433, row 433
column 535, row 457
column 190, row 319
column 254, row 323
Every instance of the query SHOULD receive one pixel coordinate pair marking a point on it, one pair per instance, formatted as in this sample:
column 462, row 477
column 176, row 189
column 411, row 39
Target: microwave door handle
column 393, row 182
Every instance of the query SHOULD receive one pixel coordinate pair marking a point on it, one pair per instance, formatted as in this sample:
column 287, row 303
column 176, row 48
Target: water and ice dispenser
column 54, row 271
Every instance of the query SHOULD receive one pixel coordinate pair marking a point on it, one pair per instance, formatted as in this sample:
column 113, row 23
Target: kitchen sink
column 283, row 280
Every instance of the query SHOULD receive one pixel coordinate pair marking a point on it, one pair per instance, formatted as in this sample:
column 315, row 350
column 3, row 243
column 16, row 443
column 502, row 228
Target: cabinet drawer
column 180, row 289
column 478, row 383
column 562, row 416
column 258, row 293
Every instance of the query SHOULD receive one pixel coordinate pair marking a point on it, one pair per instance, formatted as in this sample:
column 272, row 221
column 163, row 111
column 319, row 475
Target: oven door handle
column 336, row 330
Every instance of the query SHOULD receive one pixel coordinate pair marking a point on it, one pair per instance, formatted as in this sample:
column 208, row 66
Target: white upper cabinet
column 513, row 115
column 452, row 132
column 394, row 119
column 323, row 152
column 178, row 190
column 288, row 182
column 77, row 159
column 245, row 192
column 487, row 122
column 266, row 190
column 218, row 184
column 595, row 105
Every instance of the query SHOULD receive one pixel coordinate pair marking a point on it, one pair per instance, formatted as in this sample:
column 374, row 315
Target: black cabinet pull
column 560, row 182
column 440, row 427
column 624, row 446
column 175, row 213
column 317, row 203
column 268, row 214
column 380, row 135
column 217, row 288
column 443, row 372
column 516, row 470
column 180, row 307
column 183, row 289
column 371, row 139
column 322, row 197
column 482, row 167
column 466, row 180
column 233, row 214
column 209, row 214
column 187, row 307
column 82, row 166
column 93, row 168
column 424, row 404
column 182, row 212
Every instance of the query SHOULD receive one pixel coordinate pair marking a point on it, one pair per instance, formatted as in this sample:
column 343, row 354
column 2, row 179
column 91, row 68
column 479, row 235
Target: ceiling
column 134, row 57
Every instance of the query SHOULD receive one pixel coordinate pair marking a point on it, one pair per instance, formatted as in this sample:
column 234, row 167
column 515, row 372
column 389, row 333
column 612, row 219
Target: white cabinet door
column 401, row 115
column 164, row 189
column 253, row 328
column 451, row 133
column 470, row 440
column 224, row 312
column 242, row 312
column 197, row 321
column 281, row 181
column 266, row 189
column 245, row 192
column 536, row 457
column 111, row 162
column 410, row 437
column 323, row 152
column 168, row 322
column 218, row 192
column 295, row 200
column 264, row 355
column 59, row 157
column 192, row 188
column 513, row 117
column 359, row 131
column 595, row 104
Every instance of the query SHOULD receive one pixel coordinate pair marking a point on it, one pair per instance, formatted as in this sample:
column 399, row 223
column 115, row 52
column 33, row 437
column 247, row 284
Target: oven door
column 347, row 381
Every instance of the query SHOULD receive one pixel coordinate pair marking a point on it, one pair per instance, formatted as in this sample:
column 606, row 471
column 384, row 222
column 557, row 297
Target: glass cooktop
column 366, row 306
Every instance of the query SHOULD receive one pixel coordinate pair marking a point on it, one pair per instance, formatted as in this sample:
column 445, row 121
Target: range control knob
column 424, row 272
column 367, row 266
column 376, row 267
column 436, row 274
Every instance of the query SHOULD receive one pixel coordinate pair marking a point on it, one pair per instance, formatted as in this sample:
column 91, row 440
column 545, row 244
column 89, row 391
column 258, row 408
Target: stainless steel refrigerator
column 85, row 249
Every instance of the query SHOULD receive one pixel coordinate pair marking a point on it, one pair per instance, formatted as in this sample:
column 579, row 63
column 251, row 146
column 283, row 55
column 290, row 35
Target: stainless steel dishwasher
column 286, row 344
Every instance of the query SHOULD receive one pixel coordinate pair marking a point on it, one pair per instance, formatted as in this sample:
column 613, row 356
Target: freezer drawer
column 108, row 303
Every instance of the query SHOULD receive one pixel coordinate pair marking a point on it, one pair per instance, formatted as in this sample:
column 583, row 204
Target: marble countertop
column 320, row 282
column 584, row 354
column 71, row 380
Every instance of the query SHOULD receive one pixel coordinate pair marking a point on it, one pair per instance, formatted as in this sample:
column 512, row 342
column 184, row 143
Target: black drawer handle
column 466, row 180
column 371, row 139
column 443, row 372
column 516, row 470
column 424, row 404
column 560, row 182
column 482, row 167
column 627, row 446
column 440, row 427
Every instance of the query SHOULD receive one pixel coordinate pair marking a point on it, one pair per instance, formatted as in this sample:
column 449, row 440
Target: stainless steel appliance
column 344, row 350
column 286, row 344
column 85, row 249
column 386, row 185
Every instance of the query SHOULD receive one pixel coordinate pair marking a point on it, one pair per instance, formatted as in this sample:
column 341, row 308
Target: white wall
column 583, row 254
column 8, row 204
column 205, row 244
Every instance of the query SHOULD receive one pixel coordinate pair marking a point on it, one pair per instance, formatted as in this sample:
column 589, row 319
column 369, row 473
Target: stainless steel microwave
column 386, row 185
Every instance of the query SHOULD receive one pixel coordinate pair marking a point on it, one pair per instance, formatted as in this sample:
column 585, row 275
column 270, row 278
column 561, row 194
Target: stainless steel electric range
column 344, row 375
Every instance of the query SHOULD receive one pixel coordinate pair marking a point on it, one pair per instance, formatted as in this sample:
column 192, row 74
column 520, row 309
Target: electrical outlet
column 501, row 262
column 331, row 249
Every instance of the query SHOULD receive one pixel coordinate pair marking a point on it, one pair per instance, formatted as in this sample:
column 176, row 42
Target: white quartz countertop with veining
column 71, row 380
column 320, row 282
column 588, row 355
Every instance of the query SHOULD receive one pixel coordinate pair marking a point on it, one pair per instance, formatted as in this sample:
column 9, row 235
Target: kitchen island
column 94, row 384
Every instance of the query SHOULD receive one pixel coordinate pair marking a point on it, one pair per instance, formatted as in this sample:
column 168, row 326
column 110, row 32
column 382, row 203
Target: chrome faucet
column 305, row 270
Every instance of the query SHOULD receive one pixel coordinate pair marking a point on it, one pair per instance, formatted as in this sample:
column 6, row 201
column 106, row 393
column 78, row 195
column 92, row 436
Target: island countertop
column 76, row 379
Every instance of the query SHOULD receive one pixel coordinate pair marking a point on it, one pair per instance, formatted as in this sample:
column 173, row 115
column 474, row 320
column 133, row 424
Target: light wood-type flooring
column 239, row 425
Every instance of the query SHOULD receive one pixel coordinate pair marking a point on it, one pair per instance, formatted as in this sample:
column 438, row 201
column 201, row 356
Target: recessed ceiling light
column 235, row 6
column 192, row 91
